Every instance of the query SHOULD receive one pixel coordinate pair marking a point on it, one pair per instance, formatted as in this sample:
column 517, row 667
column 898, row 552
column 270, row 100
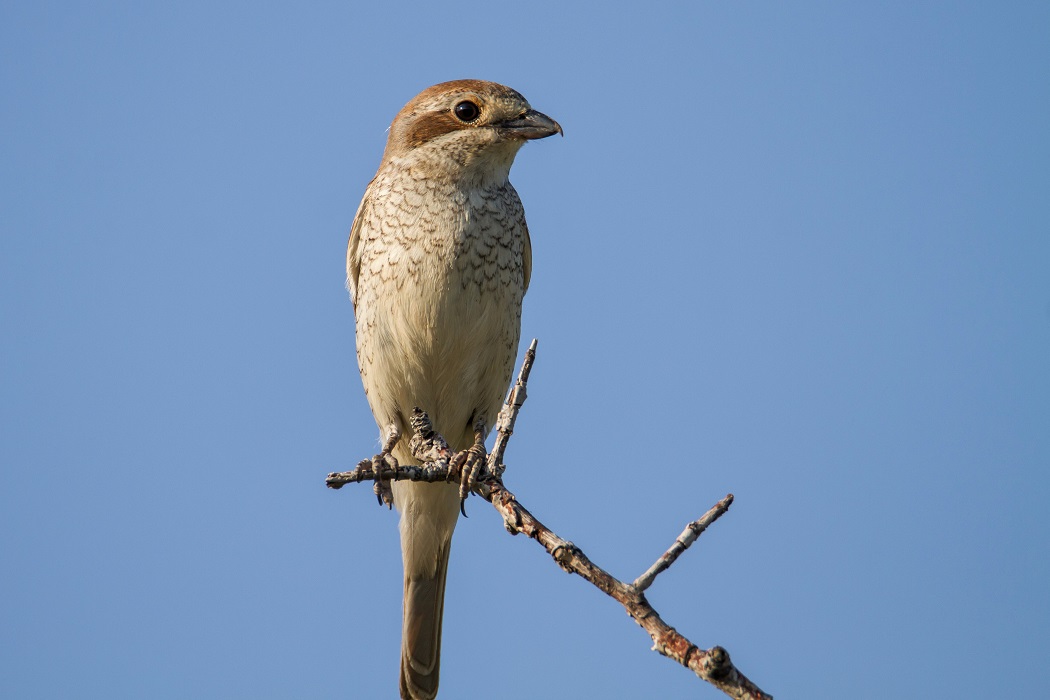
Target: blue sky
column 799, row 252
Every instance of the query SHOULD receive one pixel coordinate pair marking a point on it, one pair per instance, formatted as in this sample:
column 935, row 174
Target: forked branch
column 713, row 665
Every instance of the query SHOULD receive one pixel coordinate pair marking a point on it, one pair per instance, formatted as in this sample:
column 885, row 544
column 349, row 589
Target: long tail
column 428, row 517
column 421, row 632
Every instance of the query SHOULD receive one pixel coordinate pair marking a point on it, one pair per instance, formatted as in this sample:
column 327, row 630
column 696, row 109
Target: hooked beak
column 530, row 125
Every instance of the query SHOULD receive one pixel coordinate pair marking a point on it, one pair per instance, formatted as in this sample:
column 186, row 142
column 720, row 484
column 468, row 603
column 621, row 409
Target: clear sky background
column 799, row 252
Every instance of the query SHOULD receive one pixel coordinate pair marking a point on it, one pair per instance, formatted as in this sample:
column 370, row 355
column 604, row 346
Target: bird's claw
column 381, row 487
column 470, row 465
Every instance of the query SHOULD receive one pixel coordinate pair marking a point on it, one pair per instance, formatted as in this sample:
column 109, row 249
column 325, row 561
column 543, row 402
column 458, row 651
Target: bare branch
column 509, row 414
column 712, row 665
column 688, row 536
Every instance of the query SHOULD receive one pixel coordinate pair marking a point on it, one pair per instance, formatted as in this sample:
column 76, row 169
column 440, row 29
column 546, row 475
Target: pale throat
column 482, row 166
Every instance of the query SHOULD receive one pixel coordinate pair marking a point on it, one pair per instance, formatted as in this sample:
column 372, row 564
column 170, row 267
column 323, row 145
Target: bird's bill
column 531, row 125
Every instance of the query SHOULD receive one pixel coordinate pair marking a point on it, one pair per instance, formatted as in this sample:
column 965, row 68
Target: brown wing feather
column 526, row 257
column 353, row 255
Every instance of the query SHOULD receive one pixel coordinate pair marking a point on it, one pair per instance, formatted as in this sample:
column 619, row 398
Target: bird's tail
column 428, row 518
column 421, row 632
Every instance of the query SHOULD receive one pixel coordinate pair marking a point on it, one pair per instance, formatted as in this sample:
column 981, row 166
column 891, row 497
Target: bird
column 437, row 264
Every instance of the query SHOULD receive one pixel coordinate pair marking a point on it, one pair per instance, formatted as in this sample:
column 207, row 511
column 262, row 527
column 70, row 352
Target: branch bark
column 712, row 665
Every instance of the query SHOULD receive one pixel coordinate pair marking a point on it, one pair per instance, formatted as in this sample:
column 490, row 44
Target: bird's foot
column 381, row 487
column 470, row 465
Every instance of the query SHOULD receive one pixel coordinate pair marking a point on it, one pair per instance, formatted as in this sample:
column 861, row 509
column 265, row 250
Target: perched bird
column 437, row 265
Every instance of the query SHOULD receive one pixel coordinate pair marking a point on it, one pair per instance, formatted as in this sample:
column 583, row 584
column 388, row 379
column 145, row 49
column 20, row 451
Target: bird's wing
column 526, row 257
column 353, row 247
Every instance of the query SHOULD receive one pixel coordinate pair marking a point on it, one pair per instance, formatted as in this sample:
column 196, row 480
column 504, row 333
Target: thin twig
column 713, row 665
column 509, row 413
column 688, row 536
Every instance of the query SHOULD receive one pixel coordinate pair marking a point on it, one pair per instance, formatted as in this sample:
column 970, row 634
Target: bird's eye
column 466, row 111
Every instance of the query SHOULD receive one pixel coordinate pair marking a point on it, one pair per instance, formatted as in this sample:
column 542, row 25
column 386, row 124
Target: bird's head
column 469, row 125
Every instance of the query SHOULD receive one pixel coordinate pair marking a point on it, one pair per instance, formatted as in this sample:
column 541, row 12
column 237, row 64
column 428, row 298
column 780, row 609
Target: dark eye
column 466, row 111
